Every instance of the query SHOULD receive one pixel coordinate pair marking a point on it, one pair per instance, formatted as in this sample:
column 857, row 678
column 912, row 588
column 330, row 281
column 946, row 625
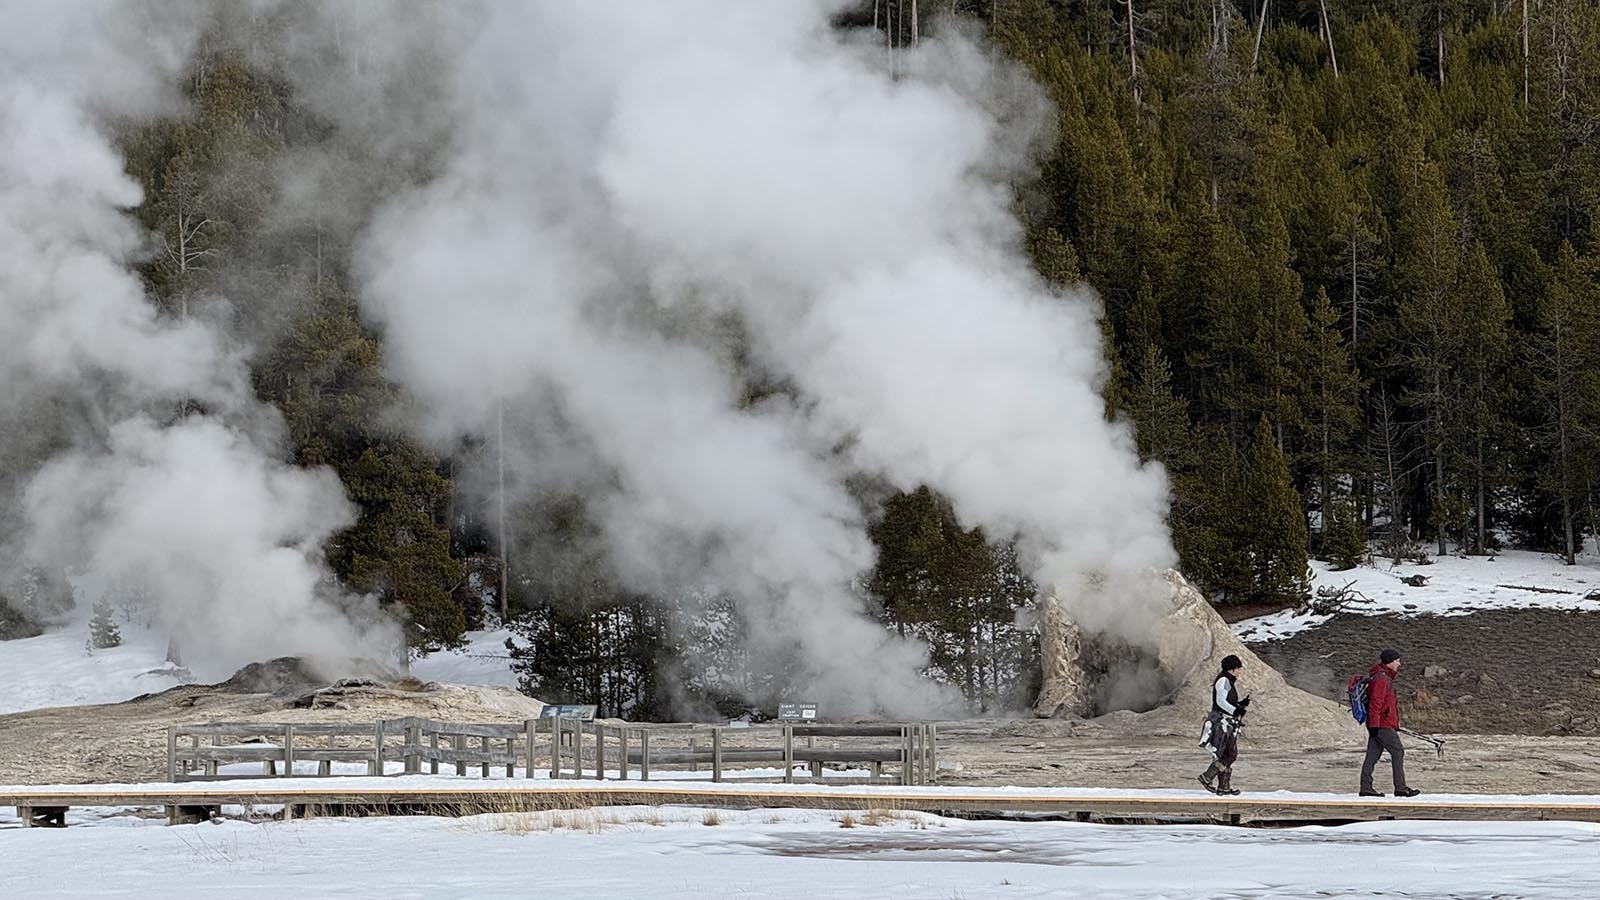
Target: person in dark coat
column 1383, row 720
column 1220, row 734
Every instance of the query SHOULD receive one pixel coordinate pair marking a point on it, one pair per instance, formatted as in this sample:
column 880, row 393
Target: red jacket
column 1383, row 708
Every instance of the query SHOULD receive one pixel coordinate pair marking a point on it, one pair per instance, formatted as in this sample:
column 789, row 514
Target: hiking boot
column 1407, row 792
column 1225, row 784
column 1367, row 793
column 1205, row 781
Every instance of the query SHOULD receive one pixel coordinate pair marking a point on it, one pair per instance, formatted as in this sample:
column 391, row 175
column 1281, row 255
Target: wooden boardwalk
column 185, row 802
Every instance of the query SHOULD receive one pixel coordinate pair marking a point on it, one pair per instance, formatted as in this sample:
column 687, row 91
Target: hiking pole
column 1438, row 743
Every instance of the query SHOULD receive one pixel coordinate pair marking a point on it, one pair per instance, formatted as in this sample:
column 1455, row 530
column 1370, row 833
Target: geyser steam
column 106, row 472
column 620, row 194
column 627, row 218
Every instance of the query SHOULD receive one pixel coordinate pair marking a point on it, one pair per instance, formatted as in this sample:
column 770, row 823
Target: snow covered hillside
column 628, row 852
column 482, row 661
column 55, row 669
column 1455, row 585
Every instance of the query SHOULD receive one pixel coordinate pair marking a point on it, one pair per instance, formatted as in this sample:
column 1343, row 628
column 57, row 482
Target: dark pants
column 1224, row 745
column 1228, row 752
column 1379, row 740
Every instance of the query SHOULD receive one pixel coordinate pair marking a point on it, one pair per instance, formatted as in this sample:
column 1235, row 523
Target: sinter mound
column 1190, row 646
column 126, row 742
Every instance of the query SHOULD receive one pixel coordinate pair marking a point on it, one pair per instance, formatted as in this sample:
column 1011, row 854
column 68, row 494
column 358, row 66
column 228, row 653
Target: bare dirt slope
column 1507, row 671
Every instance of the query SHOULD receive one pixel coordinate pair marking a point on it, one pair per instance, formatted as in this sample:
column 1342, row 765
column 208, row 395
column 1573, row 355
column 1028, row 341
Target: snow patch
column 1455, row 586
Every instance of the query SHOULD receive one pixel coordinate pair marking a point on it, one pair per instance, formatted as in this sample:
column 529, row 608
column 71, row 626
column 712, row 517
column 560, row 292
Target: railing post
column 905, row 755
column 788, row 754
column 172, row 753
column 644, row 755
column 577, row 749
column 599, row 752
column 933, row 753
column 458, row 744
column 376, row 766
column 622, row 753
column 413, row 748
column 288, row 750
column 531, row 728
column 555, row 747
column 716, row 753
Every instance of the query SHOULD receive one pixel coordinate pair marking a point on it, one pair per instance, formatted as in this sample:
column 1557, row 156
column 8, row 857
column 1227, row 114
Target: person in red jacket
column 1383, row 720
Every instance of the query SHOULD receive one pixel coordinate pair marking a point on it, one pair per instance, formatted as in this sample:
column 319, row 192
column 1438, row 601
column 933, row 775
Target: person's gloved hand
column 1243, row 704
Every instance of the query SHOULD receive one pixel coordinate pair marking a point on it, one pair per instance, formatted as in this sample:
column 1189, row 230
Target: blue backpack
column 1357, row 691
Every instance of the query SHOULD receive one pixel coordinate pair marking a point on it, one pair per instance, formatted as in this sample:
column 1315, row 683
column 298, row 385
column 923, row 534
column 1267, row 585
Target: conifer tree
column 1271, row 524
column 1563, row 357
column 1333, row 390
column 1429, row 324
column 1345, row 541
column 103, row 630
column 1480, row 381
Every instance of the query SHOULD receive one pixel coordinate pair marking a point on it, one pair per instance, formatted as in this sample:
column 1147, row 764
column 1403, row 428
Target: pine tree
column 1345, row 541
column 1429, row 321
column 326, row 376
column 1271, row 525
column 1331, row 403
column 1480, row 381
column 103, row 630
column 1565, row 358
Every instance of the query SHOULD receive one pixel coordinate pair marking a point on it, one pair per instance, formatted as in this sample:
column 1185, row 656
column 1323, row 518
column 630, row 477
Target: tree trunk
column 1440, row 32
column 1566, row 477
column 1524, row 54
column 1355, row 282
column 1566, row 525
column 1327, row 30
column 1261, row 26
column 1481, row 542
column 1439, row 496
column 1133, row 54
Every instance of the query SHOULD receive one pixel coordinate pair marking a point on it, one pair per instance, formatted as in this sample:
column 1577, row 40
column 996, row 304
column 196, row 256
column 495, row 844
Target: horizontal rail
column 466, row 799
column 572, row 747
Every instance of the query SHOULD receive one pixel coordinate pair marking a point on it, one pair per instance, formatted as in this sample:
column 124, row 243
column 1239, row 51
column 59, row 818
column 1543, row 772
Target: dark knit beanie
column 1389, row 655
column 1231, row 662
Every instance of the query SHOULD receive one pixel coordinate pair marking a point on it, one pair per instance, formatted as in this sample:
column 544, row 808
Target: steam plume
column 107, row 475
column 616, row 190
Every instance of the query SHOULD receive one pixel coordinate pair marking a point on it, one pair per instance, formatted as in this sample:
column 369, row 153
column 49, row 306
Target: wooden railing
column 568, row 748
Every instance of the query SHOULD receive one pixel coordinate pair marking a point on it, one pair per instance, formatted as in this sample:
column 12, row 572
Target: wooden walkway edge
column 48, row 805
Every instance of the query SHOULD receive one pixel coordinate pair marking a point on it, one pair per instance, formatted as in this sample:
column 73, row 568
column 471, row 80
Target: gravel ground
column 1528, row 672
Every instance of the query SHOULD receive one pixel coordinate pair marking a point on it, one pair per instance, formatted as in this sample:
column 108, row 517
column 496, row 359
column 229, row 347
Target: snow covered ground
column 1455, row 586
column 482, row 661
column 55, row 669
column 628, row 852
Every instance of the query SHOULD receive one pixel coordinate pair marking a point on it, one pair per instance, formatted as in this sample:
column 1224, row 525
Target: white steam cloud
column 625, row 216
column 105, row 475
column 617, row 189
